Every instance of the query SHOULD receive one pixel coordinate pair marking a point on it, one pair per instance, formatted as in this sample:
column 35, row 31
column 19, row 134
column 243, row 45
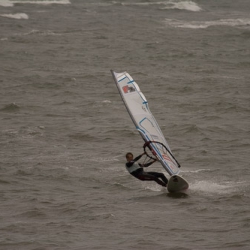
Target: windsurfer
column 136, row 169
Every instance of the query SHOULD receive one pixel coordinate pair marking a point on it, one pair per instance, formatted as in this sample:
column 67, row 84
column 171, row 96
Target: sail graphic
column 138, row 109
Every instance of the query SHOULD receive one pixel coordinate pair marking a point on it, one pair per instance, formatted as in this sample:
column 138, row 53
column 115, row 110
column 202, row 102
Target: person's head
column 129, row 156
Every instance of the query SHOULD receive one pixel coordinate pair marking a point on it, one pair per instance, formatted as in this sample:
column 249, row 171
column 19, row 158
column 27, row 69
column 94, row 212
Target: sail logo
column 166, row 157
column 128, row 89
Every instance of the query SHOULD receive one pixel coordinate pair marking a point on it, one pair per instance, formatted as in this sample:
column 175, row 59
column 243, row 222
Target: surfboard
column 177, row 184
column 144, row 121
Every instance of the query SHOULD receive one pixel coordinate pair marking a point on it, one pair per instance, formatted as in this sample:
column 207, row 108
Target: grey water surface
column 64, row 130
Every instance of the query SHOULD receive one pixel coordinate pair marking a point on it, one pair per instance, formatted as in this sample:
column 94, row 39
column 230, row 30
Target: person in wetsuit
column 136, row 169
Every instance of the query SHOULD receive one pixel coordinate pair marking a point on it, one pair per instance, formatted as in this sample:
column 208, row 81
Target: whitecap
column 205, row 24
column 6, row 3
column 106, row 101
column 45, row 2
column 16, row 16
column 183, row 5
column 197, row 171
column 42, row 33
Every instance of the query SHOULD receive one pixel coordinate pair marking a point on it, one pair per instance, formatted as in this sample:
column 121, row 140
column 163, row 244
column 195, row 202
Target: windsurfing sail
column 138, row 109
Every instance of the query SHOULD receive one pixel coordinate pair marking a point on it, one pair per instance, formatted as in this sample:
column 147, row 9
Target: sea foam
column 10, row 3
column 205, row 24
column 168, row 5
column 183, row 5
column 6, row 3
column 16, row 16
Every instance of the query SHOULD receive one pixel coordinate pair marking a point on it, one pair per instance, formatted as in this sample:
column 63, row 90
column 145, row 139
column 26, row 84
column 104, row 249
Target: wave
column 35, row 32
column 104, row 159
column 10, row 108
column 240, row 22
column 153, row 187
column 212, row 187
column 170, row 5
column 183, row 5
column 42, row 33
column 197, row 171
column 10, row 3
column 16, row 16
column 6, row 3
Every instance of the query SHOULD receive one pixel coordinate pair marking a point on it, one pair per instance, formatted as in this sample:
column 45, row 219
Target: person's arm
column 138, row 157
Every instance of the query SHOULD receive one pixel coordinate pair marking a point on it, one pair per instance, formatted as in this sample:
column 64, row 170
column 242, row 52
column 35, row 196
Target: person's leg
column 145, row 176
column 159, row 175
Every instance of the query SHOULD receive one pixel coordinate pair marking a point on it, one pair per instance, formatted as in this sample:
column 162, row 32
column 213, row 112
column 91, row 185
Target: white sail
column 137, row 106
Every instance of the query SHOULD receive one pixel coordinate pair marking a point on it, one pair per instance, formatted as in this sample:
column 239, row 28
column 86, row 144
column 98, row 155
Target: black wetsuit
column 138, row 172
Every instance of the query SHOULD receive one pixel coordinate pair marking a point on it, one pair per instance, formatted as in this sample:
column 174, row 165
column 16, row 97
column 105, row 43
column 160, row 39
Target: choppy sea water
column 64, row 130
